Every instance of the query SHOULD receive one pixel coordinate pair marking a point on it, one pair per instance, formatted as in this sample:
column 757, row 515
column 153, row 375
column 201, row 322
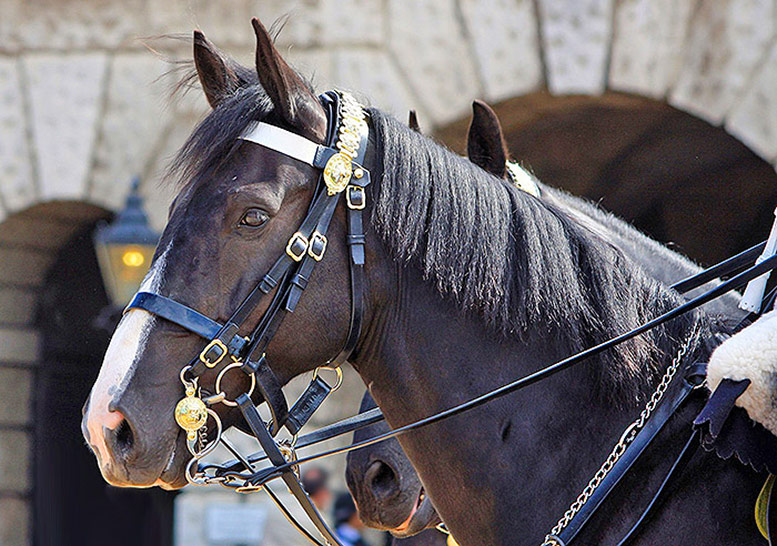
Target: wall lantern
column 125, row 248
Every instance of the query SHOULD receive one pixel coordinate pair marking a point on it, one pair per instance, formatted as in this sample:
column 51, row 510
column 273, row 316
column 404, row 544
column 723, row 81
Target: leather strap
column 644, row 438
column 686, row 454
column 281, row 140
column 722, row 269
column 254, row 420
column 323, row 434
column 307, row 404
column 270, row 389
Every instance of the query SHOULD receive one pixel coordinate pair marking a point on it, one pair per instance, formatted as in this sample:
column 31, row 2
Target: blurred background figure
column 315, row 480
column 347, row 523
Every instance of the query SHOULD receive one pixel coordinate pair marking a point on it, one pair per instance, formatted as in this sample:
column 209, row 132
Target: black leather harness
column 289, row 277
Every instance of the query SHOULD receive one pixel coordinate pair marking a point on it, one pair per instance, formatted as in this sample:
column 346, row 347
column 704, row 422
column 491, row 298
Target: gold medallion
column 191, row 413
column 337, row 173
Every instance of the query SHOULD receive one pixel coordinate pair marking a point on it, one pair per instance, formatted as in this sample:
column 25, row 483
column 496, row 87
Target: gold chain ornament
column 625, row 441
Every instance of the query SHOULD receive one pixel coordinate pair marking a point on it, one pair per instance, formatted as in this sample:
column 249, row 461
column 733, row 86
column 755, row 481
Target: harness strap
column 344, row 426
column 270, row 389
column 183, row 316
column 307, row 404
column 722, row 269
column 281, row 140
column 356, row 198
column 693, row 377
column 254, row 420
column 690, row 448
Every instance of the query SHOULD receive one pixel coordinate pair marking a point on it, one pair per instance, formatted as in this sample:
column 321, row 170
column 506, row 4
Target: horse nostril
column 124, row 437
column 383, row 480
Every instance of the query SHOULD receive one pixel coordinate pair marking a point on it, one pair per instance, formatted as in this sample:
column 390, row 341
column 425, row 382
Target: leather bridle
column 341, row 161
column 342, row 172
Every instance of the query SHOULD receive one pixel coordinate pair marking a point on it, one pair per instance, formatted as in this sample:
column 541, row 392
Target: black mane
column 518, row 263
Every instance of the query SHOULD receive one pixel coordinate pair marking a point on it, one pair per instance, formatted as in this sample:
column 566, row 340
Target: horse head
column 238, row 205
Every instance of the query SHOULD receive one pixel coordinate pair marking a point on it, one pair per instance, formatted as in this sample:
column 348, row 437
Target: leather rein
column 340, row 161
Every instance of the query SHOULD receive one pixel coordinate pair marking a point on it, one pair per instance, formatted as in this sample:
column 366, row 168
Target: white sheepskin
column 751, row 354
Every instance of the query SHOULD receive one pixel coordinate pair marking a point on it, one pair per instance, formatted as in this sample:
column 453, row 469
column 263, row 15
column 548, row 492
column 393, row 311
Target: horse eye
column 254, row 218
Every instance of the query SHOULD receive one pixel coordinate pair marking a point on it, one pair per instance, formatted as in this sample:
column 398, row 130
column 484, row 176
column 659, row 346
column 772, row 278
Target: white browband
column 282, row 141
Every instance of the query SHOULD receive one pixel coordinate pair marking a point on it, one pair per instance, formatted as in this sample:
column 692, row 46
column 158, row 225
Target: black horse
column 470, row 284
column 380, row 477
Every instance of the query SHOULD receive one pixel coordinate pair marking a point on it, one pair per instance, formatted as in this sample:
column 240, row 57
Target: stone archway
column 675, row 176
column 49, row 356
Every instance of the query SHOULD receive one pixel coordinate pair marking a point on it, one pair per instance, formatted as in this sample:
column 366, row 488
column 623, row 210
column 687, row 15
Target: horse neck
column 517, row 463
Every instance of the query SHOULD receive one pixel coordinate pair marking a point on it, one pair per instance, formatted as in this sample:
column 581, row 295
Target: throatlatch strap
column 686, row 454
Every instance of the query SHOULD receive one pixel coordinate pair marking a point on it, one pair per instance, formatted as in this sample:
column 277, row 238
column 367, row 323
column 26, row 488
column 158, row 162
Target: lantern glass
column 123, row 267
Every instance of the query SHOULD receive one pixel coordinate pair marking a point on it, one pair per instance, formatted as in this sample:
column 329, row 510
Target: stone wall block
column 504, row 36
column 65, row 94
column 17, row 307
column 225, row 23
column 15, row 389
column 73, row 24
column 19, row 346
column 159, row 190
column 311, row 23
column 135, row 116
column 15, row 522
column 728, row 39
column 372, row 77
column 647, row 45
column 24, row 267
column 430, row 49
column 16, row 181
column 576, row 38
column 754, row 117
column 15, row 461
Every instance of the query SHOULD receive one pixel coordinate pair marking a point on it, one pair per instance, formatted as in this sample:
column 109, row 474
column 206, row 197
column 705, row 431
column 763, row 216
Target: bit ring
column 220, row 377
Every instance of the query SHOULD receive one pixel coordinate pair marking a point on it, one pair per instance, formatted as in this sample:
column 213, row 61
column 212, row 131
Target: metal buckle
column 338, row 372
column 361, row 201
column 320, row 239
column 204, row 354
column 298, row 253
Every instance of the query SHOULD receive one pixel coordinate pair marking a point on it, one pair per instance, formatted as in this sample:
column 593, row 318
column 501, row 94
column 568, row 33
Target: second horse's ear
column 412, row 121
column 291, row 97
column 219, row 76
column 486, row 146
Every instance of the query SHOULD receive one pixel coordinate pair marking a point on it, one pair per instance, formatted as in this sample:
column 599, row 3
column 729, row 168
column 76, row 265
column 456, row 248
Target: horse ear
column 217, row 77
column 290, row 96
column 486, row 146
column 412, row 121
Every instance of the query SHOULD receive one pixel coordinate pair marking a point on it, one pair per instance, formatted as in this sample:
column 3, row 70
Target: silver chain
column 620, row 448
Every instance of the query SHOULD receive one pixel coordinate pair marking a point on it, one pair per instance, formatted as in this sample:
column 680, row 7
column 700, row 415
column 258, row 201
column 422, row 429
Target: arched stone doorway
column 678, row 178
column 68, row 484
column 51, row 491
